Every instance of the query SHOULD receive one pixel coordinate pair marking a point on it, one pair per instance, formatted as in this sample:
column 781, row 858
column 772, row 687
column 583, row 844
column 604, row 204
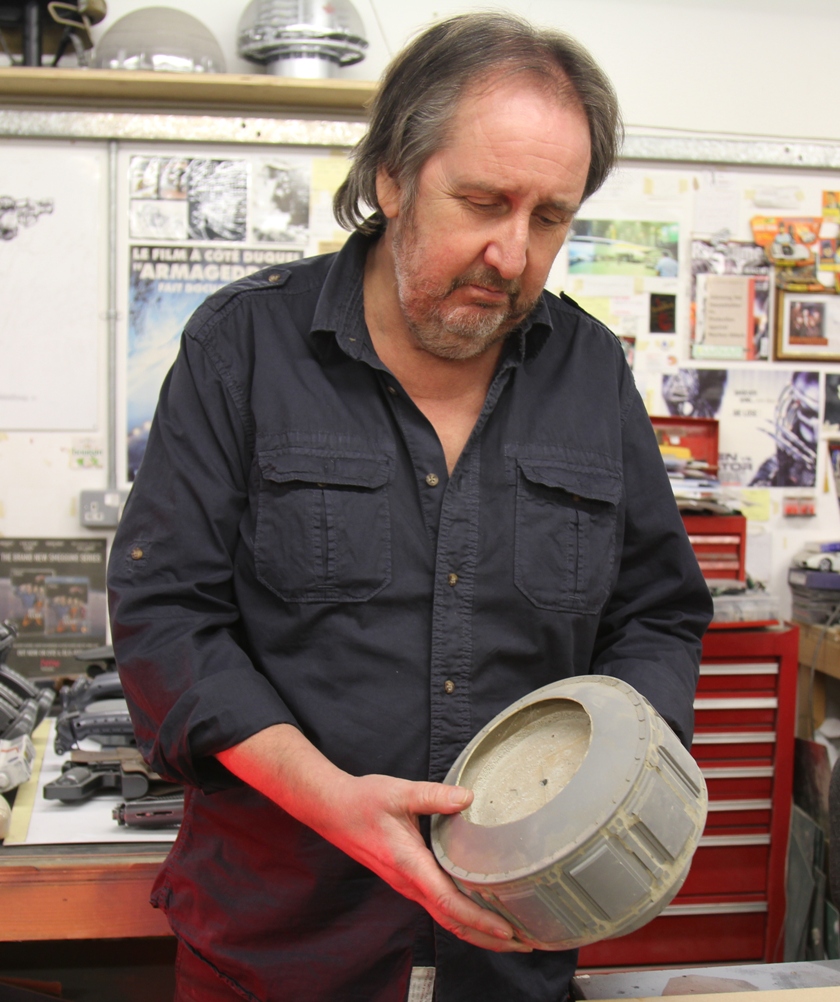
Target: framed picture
column 807, row 326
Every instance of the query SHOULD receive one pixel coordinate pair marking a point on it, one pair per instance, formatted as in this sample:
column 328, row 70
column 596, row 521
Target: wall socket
column 101, row 509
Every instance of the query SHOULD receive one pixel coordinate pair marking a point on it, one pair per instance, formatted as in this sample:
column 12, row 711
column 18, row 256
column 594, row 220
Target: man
column 666, row 266
column 387, row 493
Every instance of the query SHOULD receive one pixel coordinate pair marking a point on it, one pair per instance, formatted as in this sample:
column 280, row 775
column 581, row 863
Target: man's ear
column 388, row 194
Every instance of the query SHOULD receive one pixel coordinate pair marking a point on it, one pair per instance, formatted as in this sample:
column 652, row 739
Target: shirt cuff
column 216, row 713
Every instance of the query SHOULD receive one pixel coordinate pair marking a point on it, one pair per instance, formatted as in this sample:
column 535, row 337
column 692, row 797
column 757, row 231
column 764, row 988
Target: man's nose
column 507, row 250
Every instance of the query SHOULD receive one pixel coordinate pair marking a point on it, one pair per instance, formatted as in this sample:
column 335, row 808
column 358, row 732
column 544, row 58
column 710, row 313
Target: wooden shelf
column 168, row 91
column 65, row 895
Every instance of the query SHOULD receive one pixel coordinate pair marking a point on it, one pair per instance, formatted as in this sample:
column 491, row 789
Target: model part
column 151, row 812
column 586, row 815
column 301, row 38
column 16, row 758
column 161, row 39
column 88, row 773
column 106, row 721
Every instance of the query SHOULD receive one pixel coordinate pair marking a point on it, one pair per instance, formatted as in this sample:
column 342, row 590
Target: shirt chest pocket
column 323, row 530
column 565, row 534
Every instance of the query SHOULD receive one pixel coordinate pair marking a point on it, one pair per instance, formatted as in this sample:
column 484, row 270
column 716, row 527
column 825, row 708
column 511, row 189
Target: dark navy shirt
column 294, row 551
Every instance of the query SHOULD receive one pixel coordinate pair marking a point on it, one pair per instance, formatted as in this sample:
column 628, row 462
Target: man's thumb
column 439, row 798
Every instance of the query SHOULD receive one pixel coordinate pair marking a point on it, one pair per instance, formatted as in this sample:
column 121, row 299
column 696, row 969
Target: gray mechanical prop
column 301, row 38
column 22, row 707
column 586, row 815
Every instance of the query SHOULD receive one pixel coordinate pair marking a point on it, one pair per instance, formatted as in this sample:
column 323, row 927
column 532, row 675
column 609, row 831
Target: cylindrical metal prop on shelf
column 587, row 812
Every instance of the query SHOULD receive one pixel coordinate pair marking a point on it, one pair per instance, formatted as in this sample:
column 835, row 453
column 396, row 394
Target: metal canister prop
column 586, row 815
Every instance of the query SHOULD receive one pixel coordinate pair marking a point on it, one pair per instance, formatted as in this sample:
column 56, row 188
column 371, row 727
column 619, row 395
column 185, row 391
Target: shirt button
column 274, row 277
column 452, row 579
column 392, row 390
column 449, row 687
column 136, row 553
column 432, row 479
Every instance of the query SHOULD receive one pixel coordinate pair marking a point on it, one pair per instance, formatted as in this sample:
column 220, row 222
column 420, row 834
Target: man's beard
column 446, row 330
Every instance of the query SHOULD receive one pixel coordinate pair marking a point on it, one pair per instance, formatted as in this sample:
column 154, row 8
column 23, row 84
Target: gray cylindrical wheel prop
column 587, row 812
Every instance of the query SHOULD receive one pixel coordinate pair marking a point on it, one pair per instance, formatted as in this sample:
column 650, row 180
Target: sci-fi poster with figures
column 167, row 284
column 769, row 420
column 53, row 593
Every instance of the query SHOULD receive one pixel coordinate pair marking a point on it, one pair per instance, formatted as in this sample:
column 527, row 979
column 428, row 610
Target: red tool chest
column 732, row 904
column 719, row 543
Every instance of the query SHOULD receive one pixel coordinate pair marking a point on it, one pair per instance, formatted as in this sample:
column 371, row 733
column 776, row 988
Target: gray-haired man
column 387, row 493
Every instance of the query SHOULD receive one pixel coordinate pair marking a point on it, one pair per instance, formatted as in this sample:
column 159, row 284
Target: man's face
column 493, row 208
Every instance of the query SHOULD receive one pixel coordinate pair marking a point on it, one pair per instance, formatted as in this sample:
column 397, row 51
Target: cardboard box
column 828, row 641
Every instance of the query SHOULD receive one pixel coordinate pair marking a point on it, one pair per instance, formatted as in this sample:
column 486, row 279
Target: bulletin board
column 713, row 259
column 679, row 261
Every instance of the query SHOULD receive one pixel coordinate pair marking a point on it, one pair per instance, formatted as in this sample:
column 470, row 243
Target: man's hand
column 374, row 819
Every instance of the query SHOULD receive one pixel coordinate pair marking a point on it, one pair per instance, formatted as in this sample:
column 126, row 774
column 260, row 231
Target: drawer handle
column 746, row 703
column 717, row 908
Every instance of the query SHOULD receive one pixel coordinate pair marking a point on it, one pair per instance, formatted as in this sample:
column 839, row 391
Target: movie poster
column 195, row 221
column 167, row 284
column 769, row 419
column 53, row 593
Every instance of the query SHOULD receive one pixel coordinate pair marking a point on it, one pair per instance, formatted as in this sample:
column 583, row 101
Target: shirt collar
column 340, row 310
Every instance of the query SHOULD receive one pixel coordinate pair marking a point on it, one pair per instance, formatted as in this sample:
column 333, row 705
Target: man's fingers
column 476, row 925
column 383, row 835
column 438, row 798
column 457, row 913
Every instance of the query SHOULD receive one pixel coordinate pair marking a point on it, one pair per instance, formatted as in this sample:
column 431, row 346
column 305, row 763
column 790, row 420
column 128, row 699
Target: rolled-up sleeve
column 191, row 686
column 651, row 629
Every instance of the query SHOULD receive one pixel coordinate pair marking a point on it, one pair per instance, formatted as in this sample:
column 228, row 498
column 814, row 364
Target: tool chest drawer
column 687, row 933
column 733, row 747
column 731, row 906
column 737, row 863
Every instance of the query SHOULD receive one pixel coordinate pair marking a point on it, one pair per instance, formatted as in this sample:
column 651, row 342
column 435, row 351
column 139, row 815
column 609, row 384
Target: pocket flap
column 315, row 466
column 593, row 483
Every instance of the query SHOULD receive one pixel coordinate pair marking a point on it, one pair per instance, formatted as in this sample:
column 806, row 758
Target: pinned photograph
column 281, row 200
column 807, row 326
column 807, row 322
column 217, row 193
column 624, row 247
column 663, row 313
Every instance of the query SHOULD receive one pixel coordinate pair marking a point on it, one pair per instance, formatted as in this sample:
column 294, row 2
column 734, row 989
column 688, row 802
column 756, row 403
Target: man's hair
column 422, row 88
